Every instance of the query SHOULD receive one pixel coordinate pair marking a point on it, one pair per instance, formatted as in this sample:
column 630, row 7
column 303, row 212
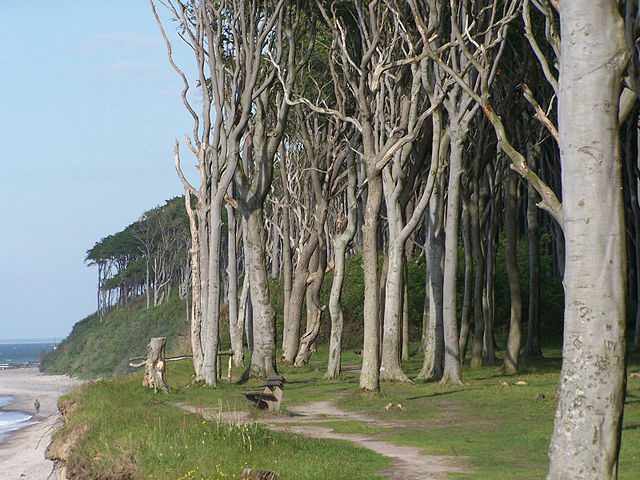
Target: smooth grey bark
column 405, row 314
column 274, row 271
column 390, row 368
column 236, row 323
column 287, row 261
column 335, row 308
column 369, row 375
column 465, row 320
column 532, row 346
column 433, row 336
column 195, row 320
column 211, row 323
column 245, row 311
column 479, row 279
column 587, row 428
column 488, row 297
column 512, row 352
column 452, row 372
column 314, row 306
column 291, row 329
column 382, row 276
column 263, row 358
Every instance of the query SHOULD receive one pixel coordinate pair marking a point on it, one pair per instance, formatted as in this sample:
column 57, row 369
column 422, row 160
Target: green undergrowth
column 491, row 425
column 136, row 434
column 101, row 346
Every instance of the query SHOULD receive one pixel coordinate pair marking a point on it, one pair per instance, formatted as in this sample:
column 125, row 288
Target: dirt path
column 407, row 463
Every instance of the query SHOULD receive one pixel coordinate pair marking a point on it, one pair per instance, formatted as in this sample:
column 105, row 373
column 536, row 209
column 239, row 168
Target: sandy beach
column 22, row 454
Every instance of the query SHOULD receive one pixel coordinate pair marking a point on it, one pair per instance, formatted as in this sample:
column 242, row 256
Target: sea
column 17, row 355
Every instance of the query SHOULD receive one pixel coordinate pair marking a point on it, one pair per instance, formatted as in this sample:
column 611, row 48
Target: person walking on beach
column 36, row 405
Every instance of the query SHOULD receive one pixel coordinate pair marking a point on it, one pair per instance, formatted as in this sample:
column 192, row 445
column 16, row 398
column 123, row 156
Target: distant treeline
column 148, row 257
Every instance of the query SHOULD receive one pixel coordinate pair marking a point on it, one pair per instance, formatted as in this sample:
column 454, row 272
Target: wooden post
column 229, row 354
column 251, row 474
column 155, row 365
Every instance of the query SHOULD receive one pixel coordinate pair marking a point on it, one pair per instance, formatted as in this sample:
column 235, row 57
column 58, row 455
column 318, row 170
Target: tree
column 586, row 437
column 228, row 39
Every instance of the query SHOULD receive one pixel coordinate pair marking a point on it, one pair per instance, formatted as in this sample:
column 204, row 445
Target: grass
column 498, row 432
column 141, row 435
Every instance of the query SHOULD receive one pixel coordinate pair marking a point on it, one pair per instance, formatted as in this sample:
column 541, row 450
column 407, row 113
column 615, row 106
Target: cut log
column 155, row 365
column 252, row 474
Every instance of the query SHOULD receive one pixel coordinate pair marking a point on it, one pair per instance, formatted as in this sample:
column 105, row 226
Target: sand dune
column 22, row 454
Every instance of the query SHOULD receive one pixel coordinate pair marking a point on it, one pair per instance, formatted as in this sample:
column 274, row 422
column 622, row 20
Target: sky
column 89, row 111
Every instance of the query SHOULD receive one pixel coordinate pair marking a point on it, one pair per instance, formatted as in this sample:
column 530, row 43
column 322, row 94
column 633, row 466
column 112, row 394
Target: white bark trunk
column 586, row 437
column 211, row 322
column 236, row 324
column 433, row 363
column 512, row 352
column 291, row 328
column 263, row 359
column 335, row 309
column 369, row 375
column 390, row 367
column 452, row 372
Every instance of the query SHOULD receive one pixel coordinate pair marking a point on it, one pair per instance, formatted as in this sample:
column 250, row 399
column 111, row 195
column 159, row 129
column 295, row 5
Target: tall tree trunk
column 532, row 346
column 211, row 323
column 275, row 251
column 369, row 375
column 314, row 306
column 236, row 324
column 311, row 302
column 291, row 329
column 287, row 261
column 245, row 311
column 433, row 362
column 405, row 314
column 335, row 308
column 390, row 367
column 488, row 296
column 452, row 370
column 203, row 235
column 465, row 322
column 512, row 351
column 263, row 359
column 479, row 280
column 196, row 290
column 588, row 422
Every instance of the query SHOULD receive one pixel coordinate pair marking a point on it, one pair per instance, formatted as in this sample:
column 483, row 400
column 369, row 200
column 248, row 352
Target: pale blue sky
column 89, row 110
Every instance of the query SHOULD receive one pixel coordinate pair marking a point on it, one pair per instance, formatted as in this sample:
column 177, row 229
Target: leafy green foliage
column 155, row 245
column 102, row 347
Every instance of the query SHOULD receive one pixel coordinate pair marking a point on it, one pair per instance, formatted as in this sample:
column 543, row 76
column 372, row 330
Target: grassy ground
column 498, row 431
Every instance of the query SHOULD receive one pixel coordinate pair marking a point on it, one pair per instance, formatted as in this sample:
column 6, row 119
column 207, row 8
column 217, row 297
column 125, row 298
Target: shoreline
column 22, row 453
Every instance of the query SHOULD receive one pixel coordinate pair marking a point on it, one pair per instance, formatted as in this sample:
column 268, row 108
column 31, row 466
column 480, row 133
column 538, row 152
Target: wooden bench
column 272, row 395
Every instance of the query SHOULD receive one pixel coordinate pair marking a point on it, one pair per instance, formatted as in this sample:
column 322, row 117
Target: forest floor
column 493, row 427
column 323, row 419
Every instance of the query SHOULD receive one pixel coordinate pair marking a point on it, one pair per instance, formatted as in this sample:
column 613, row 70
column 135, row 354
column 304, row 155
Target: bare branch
column 540, row 113
column 187, row 186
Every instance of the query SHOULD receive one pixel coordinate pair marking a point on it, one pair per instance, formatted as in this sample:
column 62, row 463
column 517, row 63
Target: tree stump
column 251, row 474
column 155, row 365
